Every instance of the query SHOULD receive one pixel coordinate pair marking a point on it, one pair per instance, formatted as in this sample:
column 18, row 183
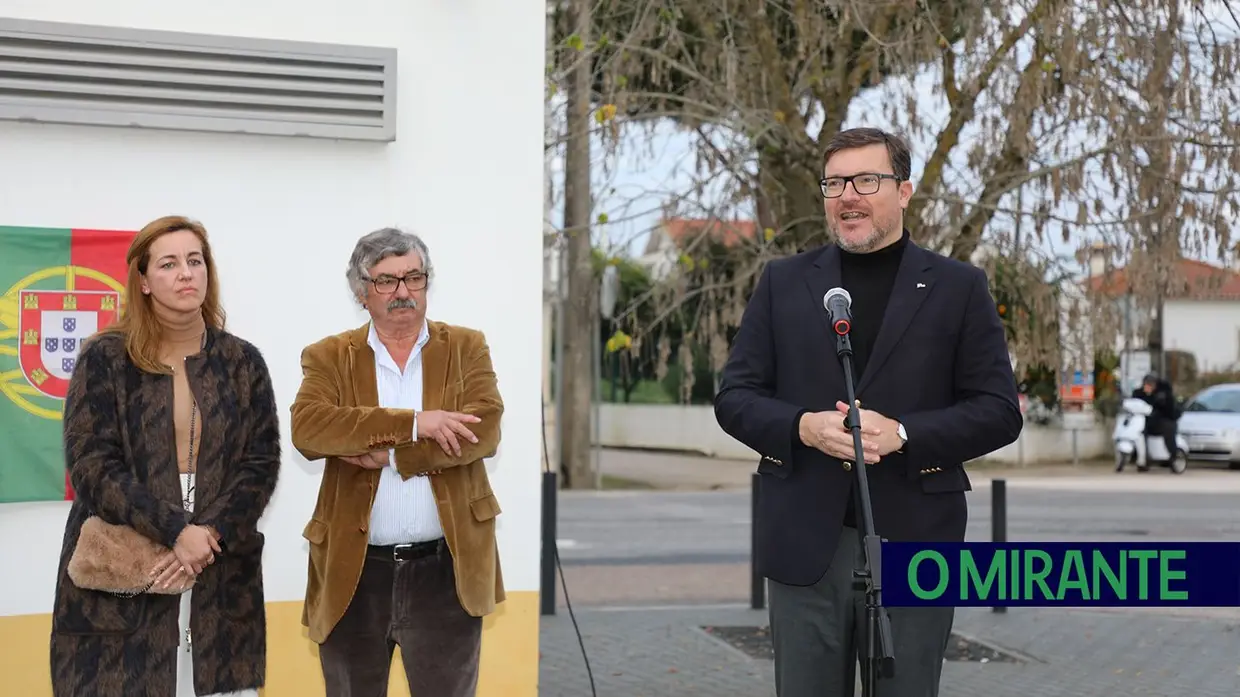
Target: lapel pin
column 921, row 285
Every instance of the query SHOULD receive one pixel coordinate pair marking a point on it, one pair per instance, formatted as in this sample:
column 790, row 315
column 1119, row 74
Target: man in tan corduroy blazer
column 402, row 539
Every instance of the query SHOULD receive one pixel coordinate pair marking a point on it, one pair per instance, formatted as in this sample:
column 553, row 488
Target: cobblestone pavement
column 661, row 652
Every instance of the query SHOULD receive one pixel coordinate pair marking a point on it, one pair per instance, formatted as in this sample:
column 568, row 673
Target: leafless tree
column 1074, row 121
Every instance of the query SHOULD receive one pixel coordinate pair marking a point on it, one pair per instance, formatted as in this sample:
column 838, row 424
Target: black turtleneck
column 868, row 278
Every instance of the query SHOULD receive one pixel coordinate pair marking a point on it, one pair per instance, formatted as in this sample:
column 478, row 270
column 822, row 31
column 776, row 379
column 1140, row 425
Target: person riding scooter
column 1163, row 422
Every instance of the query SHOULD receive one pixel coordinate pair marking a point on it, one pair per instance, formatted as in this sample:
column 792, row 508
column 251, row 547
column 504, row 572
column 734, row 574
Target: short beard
column 865, row 246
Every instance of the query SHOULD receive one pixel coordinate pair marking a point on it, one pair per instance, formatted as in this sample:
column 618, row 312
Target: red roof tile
column 729, row 233
column 1190, row 279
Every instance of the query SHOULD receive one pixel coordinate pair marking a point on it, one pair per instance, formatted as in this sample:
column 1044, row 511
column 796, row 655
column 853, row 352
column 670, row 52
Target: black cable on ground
column 556, row 550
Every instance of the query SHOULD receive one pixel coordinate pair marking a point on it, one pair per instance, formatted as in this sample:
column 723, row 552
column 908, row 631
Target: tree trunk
column 791, row 200
column 1158, row 188
column 579, row 302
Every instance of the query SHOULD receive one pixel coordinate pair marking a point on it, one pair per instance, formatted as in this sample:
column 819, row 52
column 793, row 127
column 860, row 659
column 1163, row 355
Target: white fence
column 694, row 429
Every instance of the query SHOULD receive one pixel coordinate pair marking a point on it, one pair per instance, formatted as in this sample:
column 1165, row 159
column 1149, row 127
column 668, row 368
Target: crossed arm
column 323, row 427
column 479, row 398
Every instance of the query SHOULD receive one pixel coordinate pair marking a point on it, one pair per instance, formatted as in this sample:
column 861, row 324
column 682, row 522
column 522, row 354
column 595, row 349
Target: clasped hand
column 447, row 428
column 827, row 431
column 194, row 551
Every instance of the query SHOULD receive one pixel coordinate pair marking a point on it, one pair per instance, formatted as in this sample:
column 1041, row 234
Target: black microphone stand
column 877, row 655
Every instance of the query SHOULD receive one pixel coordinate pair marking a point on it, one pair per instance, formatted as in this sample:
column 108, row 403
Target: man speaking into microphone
column 935, row 384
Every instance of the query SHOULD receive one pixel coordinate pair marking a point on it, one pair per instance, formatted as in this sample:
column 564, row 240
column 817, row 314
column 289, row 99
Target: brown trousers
column 406, row 597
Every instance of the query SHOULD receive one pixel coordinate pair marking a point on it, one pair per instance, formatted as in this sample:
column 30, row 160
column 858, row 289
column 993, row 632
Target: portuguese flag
column 57, row 287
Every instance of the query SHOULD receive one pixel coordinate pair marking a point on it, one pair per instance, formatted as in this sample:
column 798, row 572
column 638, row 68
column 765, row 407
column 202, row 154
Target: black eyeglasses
column 865, row 184
column 386, row 285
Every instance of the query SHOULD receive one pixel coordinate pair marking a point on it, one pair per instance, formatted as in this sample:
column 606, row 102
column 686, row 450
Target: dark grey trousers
column 411, row 604
column 817, row 631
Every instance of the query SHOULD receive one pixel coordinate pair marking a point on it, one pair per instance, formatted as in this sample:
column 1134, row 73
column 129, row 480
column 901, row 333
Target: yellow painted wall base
column 509, row 653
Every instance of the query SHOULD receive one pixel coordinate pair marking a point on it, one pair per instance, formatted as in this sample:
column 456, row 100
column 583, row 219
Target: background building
column 290, row 129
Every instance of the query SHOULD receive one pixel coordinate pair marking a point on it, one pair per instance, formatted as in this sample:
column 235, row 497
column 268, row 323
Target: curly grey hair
column 377, row 246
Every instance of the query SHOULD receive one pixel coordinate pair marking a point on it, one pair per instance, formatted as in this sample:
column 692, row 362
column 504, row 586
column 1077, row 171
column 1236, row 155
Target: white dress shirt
column 404, row 509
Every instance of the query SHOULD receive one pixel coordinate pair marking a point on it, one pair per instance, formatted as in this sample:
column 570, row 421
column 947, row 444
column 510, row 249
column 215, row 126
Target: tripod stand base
column 876, row 653
column 876, row 663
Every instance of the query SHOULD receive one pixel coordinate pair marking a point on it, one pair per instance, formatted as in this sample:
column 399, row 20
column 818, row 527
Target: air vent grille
column 66, row 73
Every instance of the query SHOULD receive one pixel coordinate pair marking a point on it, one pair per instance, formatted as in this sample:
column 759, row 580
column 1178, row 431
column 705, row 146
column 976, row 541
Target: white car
column 1211, row 424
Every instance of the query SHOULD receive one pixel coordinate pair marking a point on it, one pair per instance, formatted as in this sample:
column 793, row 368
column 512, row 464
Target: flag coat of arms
column 57, row 288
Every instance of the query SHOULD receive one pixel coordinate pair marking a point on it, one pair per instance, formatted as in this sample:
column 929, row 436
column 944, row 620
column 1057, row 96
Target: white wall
column 465, row 172
column 1209, row 329
column 694, row 429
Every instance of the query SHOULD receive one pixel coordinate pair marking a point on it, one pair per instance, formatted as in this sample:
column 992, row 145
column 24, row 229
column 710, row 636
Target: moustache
column 402, row 304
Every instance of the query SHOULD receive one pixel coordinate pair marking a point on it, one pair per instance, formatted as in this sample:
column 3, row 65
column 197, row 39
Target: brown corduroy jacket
column 336, row 414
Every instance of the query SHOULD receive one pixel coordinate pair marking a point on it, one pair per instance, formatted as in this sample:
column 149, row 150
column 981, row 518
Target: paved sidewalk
column 690, row 472
column 662, row 652
column 683, row 549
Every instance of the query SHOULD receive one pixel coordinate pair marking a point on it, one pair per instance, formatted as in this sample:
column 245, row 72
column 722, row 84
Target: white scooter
column 1133, row 447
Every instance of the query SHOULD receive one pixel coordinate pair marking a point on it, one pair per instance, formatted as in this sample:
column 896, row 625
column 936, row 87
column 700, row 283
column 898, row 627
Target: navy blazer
column 940, row 366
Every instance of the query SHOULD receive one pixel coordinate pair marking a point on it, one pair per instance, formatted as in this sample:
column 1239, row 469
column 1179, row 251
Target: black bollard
column 998, row 517
column 546, row 584
column 757, row 585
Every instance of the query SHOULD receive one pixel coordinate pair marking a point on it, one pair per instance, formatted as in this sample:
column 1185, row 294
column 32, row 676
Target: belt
column 405, row 552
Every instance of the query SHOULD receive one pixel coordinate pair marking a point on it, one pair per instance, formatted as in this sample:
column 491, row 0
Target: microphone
column 838, row 303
